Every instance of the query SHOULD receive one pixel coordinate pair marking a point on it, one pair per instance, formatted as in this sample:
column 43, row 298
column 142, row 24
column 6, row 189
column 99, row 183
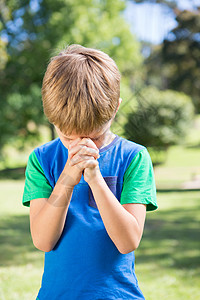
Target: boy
column 89, row 189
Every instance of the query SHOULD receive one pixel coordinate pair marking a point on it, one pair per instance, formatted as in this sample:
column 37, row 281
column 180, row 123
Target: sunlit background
column 156, row 45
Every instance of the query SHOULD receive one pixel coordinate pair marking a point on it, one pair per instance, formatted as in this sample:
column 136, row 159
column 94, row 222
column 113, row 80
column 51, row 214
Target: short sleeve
column 36, row 184
column 139, row 183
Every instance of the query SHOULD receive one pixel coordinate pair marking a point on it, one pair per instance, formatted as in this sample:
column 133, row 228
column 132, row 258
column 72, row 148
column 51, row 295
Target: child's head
column 81, row 90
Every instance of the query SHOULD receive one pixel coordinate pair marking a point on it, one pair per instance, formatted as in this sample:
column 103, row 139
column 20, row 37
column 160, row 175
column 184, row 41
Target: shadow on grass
column 13, row 173
column 197, row 146
column 177, row 190
column 171, row 238
column 15, row 240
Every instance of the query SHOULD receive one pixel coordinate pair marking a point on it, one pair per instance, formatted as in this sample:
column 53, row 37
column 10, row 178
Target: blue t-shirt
column 85, row 264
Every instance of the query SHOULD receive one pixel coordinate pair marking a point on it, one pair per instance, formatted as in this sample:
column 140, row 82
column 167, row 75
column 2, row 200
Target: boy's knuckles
column 73, row 150
column 90, row 163
column 83, row 149
column 88, row 142
column 79, row 149
column 85, row 141
column 89, row 151
column 81, row 158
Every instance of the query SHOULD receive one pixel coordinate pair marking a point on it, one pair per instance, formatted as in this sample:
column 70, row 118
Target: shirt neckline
column 109, row 145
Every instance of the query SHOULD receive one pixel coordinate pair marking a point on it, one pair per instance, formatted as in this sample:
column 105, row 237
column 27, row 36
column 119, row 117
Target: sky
column 152, row 22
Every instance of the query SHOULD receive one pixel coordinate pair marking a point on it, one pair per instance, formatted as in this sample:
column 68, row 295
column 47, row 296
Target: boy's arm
column 48, row 215
column 124, row 223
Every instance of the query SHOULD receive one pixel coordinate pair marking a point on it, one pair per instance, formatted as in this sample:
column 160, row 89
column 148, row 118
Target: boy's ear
column 120, row 100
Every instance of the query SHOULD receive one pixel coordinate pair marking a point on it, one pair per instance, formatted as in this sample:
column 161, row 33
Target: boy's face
column 98, row 137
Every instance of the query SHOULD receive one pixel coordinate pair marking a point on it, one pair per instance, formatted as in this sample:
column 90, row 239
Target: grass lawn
column 20, row 263
column 181, row 165
column 167, row 261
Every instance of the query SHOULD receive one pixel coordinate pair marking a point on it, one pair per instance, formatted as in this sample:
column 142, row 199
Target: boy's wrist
column 96, row 181
column 66, row 180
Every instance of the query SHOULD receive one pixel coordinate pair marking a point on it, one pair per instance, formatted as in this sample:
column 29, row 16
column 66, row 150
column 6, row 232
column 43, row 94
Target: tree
column 175, row 63
column 36, row 30
column 3, row 54
column 180, row 54
column 160, row 119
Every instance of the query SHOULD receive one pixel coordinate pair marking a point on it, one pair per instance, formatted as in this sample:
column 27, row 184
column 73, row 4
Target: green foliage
column 35, row 33
column 3, row 54
column 180, row 54
column 160, row 119
column 21, row 114
column 128, row 104
column 175, row 63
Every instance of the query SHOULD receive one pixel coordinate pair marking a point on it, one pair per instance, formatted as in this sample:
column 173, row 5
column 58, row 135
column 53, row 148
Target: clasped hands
column 83, row 153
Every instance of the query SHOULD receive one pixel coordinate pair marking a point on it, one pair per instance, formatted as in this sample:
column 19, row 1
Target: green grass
column 180, row 166
column 167, row 261
column 182, row 162
column 21, row 263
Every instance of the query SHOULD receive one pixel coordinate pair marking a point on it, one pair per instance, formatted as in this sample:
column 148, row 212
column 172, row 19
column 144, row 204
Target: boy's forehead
column 75, row 136
column 93, row 135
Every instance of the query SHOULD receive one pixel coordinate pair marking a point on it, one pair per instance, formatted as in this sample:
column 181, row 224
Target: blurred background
column 156, row 45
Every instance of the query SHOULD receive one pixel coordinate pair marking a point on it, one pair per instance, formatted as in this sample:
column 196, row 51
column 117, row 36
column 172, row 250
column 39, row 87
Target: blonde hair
column 80, row 90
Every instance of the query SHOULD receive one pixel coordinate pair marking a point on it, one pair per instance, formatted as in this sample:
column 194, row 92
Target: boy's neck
column 108, row 139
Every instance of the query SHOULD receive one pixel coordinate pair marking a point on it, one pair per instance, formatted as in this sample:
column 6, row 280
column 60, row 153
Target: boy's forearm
column 48, row 224
column 121, row 226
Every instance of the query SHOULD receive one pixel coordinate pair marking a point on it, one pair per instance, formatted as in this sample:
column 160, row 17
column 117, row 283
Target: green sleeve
column 139, row 184
column 36, row 184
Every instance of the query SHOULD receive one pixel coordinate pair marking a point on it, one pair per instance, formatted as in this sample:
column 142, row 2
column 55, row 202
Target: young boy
column 89, row 189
